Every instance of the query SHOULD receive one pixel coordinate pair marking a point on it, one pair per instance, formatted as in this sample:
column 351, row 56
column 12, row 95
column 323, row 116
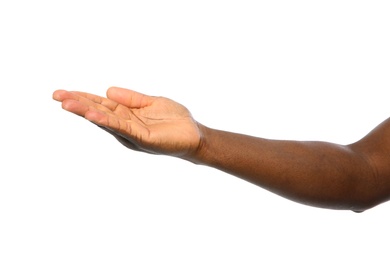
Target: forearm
column 313, row 173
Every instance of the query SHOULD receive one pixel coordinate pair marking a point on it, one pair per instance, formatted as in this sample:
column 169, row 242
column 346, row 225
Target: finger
column 61, row 95
column 79, row 102
column 110, row 104
column 129, row 98
column 75, row 107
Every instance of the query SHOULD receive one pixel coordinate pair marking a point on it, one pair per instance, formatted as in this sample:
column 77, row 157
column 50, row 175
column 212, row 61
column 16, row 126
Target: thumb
column 129, row 98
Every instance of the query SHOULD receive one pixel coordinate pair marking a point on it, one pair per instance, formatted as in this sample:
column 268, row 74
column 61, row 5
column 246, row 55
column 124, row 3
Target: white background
column 305, row 70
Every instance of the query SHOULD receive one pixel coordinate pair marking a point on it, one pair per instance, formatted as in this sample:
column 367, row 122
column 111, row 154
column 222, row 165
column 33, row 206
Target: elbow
column 370, row 183
column 361, row 206
column 368, row 194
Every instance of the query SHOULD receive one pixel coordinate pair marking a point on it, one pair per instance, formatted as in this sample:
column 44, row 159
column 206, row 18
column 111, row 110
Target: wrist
column 198, row 155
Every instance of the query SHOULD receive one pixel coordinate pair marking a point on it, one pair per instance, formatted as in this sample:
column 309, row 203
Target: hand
column 140, row 122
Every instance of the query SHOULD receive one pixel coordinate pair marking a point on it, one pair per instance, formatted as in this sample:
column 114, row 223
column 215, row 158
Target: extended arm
column 354, row 177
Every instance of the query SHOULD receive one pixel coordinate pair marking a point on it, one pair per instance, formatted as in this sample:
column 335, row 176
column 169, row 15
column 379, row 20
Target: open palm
column 140, row 122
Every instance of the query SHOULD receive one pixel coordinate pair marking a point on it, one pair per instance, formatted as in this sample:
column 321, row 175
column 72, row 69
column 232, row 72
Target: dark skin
column 320, row 174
